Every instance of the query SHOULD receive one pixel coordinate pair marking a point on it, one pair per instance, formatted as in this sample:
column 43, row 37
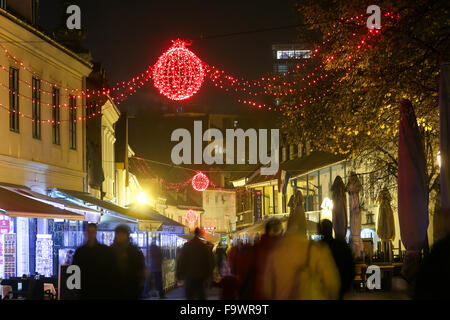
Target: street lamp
column 142, row 198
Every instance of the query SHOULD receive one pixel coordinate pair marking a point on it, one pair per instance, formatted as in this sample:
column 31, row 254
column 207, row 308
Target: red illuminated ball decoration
column 178, row 74
column 200, row 182
column 191, row 216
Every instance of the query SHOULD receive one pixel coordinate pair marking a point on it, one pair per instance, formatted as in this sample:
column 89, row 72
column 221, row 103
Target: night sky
column 128, row 36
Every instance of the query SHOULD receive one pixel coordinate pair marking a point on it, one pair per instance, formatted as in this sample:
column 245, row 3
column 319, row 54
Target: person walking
column 297, row 268
column 342, row 255
column 233, row 254
column 263, row 249
column 94, row 260
column 243, row 271
column 130, row 266
column 195, row 266
column 156, row 259
column 227, row 280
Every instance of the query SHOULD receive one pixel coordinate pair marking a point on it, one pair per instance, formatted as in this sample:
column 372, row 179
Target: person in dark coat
column 264, row 247
column 227, row 281
column 244, row 271
column 129, row 266
column 94, row 260
column 342, row 255
column 232, row 255
column 156, row 258
column 195, row 266
column 433, row 280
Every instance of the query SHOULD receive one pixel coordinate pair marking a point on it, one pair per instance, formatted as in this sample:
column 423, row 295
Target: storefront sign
column 92, row 217
column 173, row 229
column 257, row 205
column 149, row 226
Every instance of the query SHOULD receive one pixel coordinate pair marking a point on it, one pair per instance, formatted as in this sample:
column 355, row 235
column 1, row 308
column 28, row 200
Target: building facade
column 43, row 135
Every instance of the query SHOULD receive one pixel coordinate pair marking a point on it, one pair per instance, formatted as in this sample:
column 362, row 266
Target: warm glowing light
column 142, row 198
column 200, row 182
column 327, row 208
column 178, row 74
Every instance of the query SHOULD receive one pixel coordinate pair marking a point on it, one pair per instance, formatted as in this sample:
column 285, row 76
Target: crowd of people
column 275, row 266
column 115, row 272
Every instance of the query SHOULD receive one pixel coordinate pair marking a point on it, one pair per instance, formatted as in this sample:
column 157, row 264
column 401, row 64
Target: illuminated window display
column 9, row 255
column 4, row 229
column 44, row 254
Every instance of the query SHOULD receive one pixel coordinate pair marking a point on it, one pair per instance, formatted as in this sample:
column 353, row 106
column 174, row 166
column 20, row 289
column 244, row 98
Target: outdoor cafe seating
column 384, row 257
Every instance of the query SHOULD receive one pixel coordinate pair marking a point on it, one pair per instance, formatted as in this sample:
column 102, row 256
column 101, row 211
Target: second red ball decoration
column 191, row 216
column 178, row 74
column 200, row 182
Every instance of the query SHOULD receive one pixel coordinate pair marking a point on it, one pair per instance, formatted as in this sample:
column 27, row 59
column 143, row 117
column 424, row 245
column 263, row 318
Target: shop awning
column 15, row 203
column 90, row 214
column 151, row 214
column 210, row 238
column 205, row 236
column 132, row 214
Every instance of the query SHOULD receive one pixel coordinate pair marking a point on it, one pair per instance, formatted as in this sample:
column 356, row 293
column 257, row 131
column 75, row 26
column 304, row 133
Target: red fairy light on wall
column 200, row 182
column 178, row 74
column 191, row 216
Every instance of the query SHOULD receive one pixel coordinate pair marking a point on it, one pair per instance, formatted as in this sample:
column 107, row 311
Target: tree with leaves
column 354, row 110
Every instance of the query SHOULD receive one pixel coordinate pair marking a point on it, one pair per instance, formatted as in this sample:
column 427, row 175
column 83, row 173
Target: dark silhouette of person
column 233, row 254
column 129, row 266
column 95, row 261
column 266, row 244
column 244, row 272
column 342, row 255
column 195, row 266
column 227, row 281
column 156, row 258
column 433, row 279
column 220, row 256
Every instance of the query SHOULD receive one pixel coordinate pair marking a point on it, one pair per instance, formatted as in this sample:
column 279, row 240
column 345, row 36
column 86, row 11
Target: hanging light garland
column 199, row 182
column 179, row 74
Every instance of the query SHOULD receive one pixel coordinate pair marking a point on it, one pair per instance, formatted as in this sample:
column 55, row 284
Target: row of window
column 293, row 54
column 14, row 115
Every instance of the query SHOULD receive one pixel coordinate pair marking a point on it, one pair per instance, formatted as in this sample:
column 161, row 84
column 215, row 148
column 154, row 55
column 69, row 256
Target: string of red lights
column 179, row 73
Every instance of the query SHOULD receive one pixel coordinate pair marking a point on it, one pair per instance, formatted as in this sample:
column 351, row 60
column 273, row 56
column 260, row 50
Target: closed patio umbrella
column 339, row 211
column 444, row 116
column 353, row 188
column 439, row 223
column 385, row 223
column 297, row 217
column 412, row 190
